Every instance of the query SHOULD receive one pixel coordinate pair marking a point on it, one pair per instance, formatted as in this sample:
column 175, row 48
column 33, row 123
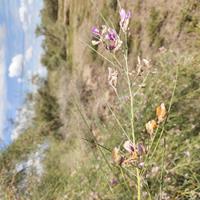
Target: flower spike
column 124, row 19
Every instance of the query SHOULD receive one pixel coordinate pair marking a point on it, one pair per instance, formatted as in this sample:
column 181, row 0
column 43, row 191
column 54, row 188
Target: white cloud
column 16, row 66
column 30, row 2
column 19, row 80
column 2, row 82
column 24, row 14
column 29, row 54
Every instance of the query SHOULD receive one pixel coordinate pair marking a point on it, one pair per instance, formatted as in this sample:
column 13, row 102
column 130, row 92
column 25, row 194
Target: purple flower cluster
column 108, row 36
column 130, row 147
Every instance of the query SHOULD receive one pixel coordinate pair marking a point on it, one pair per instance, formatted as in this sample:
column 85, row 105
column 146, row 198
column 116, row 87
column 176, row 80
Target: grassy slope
column 76, row 87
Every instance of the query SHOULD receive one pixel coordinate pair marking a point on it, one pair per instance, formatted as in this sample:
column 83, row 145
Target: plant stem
column 138, row 185
column 162, row 170
column 118, row 122
column 122, row 173
column 130, row 91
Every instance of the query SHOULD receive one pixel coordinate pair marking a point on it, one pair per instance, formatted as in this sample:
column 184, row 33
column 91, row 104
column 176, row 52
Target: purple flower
column 106, row 36
column 96, row 31
column 124, row 15
column 112, row 40
column 97, row 36
column 111, row 35
column 124, row 19
column 114, row 182
column 128, row 146
column 140, row 149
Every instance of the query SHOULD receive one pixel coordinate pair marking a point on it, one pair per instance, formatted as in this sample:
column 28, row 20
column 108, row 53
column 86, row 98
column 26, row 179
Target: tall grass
column 82, row 166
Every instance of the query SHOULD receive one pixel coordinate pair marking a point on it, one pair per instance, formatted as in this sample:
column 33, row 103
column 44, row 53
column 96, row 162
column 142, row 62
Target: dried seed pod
column 161, row 113
column 116, row 157
column 150, row 126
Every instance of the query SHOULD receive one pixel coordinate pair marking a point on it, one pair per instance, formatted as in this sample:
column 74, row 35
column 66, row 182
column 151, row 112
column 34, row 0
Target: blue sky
column 20, row 53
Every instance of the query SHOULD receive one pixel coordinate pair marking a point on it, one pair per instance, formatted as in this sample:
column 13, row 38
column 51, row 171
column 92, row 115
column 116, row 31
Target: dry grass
column 78, row 164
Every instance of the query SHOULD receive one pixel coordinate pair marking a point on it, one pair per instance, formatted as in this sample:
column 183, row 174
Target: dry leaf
column 150, row 126
column 116, row 157
column 161, row 112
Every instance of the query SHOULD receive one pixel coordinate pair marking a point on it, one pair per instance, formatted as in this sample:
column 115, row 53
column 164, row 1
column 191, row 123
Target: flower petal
column 140, row 149
column 96, row 31
column 122, row 14
column 128, row 146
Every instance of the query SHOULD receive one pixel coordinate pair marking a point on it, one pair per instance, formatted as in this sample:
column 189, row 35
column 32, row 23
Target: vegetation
column 154, row 27
column 83, row 115
column 189, row 19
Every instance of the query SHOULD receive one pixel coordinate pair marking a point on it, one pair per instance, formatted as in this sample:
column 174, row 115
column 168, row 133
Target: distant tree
column 42, row 30
column 51, row 9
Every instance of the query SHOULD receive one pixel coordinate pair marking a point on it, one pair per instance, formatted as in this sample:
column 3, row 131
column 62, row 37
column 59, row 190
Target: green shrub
column 154, row 26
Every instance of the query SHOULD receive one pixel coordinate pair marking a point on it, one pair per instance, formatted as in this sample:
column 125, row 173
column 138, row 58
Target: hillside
column 81, row 117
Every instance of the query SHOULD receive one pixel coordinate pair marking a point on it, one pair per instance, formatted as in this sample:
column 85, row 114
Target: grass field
column 81, row 120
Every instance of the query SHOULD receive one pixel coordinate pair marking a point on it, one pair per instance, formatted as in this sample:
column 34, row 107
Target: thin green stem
column 118, row 122
column 121, row 170
column 118, row 62
column 162, row 169
column 130, row 91
column 99, row 147
column 98, row 53
column 106, row 160
column 149, row 150
column 138, row 185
